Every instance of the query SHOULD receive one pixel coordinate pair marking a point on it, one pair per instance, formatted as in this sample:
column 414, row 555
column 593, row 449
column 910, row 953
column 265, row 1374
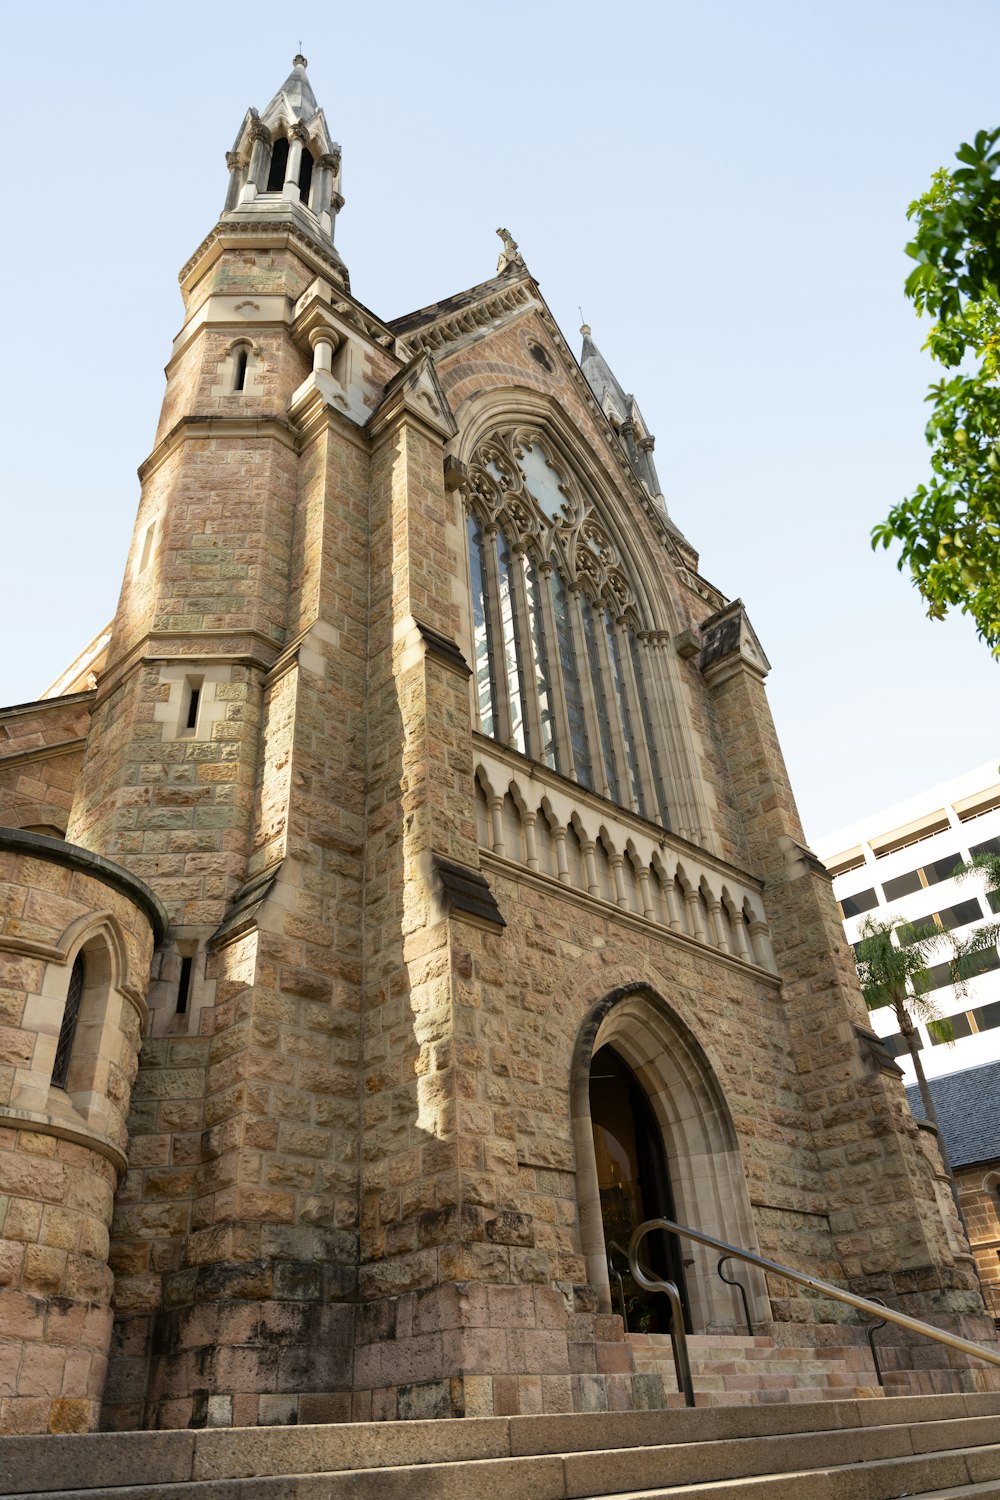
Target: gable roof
column 968, row 1109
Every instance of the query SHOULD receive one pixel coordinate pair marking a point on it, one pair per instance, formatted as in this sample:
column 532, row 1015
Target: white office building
column 899, row 864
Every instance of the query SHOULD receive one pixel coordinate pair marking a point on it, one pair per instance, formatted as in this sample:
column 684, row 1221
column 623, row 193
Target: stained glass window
column 582, row 764
column 600, row 699
column 511, row 646
column 547, row 751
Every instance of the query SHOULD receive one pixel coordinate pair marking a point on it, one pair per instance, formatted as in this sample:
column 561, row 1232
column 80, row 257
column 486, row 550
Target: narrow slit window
column 240, row 368
column 67, row 1031
column 193, row 701
column 184, row 985
column 147, row 547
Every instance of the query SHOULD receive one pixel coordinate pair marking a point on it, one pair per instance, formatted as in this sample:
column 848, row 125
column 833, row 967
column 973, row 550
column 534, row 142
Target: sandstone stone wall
column 62, row 1150
column 41, row 751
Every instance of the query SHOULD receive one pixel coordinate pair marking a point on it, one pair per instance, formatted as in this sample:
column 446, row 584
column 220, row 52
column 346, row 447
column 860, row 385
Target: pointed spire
column 286, row 169
column 297, row 91
column 622, row 412
column 601, row 380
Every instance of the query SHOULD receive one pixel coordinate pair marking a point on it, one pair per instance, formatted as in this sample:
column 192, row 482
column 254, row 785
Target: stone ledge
column 77, row 1133
column 443, row 649
column 58, row 852
column 467, row 891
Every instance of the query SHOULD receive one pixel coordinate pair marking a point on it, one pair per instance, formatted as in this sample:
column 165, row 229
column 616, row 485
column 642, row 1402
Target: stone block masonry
column 351, row 935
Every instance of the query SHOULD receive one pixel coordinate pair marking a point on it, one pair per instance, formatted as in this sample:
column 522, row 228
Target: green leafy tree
column 894, row 961
column 949, row 529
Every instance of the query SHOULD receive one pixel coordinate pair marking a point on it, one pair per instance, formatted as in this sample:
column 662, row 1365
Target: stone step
column 558, row 1477
column 937, row 1441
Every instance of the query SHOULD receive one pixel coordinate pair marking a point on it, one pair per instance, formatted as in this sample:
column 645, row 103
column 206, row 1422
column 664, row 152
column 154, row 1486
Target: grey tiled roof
column 968, row 1108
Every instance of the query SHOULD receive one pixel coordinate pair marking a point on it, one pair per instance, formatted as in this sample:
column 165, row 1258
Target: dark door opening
column 635, row 1185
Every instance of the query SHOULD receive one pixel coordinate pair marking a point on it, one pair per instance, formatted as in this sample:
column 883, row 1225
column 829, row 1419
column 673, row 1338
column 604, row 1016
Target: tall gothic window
column 558, row 673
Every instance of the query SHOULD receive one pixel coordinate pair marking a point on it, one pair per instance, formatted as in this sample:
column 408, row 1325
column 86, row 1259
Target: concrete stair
column 921, row 1446
column 737, row 1369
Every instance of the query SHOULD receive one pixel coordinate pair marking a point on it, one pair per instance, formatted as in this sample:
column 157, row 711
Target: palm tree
column 988, row 865
column 893, row 961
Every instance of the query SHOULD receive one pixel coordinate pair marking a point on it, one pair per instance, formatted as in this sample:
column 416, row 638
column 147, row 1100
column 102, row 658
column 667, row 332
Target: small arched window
column 241, row 356
column 67, row 1031
column 279, row 165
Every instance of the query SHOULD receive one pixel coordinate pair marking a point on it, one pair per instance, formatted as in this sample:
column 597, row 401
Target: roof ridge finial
column 298, row 61
column 585, row 328
column 510, row 256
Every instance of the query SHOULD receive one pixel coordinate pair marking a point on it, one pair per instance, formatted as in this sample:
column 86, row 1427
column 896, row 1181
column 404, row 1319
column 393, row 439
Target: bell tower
column 284, row 168
column 239, row 641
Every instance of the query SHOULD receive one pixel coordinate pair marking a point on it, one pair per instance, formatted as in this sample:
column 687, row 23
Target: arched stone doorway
column 696, row 1138
column 634, row 1183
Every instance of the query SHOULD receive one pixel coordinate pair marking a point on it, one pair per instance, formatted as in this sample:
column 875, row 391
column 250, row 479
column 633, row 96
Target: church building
column 405, row 898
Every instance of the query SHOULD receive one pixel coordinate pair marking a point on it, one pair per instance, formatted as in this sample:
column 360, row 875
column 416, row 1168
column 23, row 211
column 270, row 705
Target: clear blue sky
column 722, row 186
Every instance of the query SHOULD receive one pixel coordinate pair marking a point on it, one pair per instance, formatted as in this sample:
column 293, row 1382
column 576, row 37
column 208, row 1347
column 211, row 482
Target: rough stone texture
column 61, row 1150
column 360, row 1177
column 41, row 751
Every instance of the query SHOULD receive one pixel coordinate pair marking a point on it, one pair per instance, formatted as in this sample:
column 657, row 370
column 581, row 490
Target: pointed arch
column 643, row 749
column 699, row 1137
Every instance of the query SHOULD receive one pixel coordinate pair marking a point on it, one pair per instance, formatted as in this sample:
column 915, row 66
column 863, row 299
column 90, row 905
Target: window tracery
column 558, row 673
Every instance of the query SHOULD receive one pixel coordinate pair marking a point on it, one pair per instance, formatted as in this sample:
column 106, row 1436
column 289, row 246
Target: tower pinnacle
column 285, row 168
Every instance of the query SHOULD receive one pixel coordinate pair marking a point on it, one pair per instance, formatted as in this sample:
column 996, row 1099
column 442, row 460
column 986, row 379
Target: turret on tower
column 622, row 412
column 284, row 167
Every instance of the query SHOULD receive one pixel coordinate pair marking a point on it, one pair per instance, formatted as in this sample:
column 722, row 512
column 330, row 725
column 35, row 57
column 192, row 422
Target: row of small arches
column 662, row 890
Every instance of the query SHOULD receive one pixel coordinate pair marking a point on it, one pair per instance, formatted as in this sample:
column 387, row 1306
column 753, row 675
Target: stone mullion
column 601, row 781
column 689, row 816
column 611, row 699
column 739, row 933
column 647, row 779
column 529, row 674
column 296, row 141
column 259, row 159
column 562, row 862
column 500, row 685
column 564, row 737
column 669, row 885
column 695, row 916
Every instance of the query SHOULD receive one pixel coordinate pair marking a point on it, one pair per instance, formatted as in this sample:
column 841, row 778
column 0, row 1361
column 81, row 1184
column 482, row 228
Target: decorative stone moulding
column 599, row 852
column 77, row 935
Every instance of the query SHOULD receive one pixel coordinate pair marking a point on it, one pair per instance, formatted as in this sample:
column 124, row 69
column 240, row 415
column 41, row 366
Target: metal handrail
column 739, row 1287
column 825, row 1288
column 870, row 1333
column 614, row 1271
